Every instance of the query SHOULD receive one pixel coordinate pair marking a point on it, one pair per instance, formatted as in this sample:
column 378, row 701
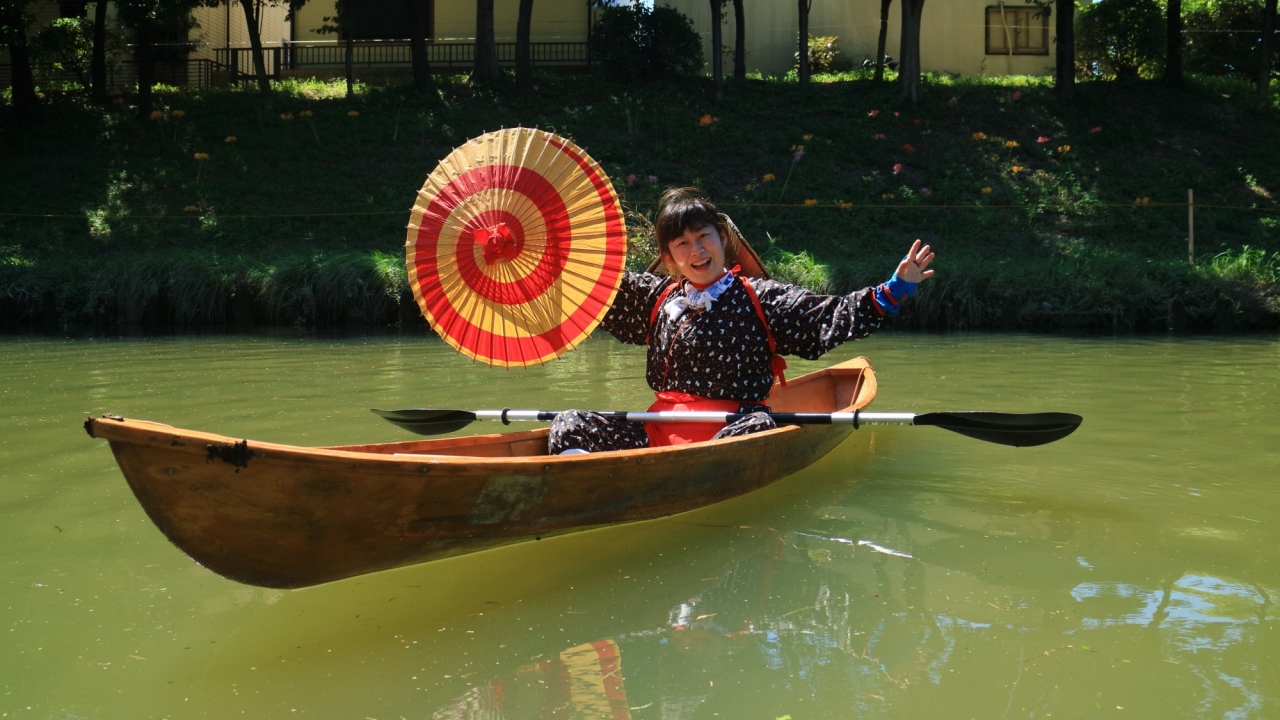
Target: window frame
column 1012, row 21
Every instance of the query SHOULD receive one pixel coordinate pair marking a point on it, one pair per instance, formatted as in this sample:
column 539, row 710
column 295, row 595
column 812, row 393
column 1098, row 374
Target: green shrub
column 1121, row 39
column 1223, row 38
column 65, row 46
column 825, row 56
column 635, row 42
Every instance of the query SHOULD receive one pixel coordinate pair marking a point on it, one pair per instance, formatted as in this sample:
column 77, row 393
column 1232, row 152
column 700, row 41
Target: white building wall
column 952, row 34
column 224, row 26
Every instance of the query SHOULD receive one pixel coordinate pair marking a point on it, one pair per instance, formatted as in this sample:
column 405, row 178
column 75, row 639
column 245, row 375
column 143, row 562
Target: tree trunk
column 1264, row 62
column 1173, row 43
column 739, row 42
column 717, row 44
column 348, row 61
column 803, row 54
column 884, row 36
column 422, row 81
column 485, row 70
column 145, row 57
column 24, row 84
column 259, row 62
column 1065, row 46
column 98, row 63
column 909, row 48
column 524, row 62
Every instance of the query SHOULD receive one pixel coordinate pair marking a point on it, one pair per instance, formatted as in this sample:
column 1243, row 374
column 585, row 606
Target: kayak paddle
column 1018, row 430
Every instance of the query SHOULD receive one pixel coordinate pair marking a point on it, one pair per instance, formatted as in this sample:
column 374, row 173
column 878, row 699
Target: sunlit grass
column 1248, row 264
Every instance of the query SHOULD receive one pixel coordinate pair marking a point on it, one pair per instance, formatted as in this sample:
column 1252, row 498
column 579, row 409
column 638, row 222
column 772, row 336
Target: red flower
column 873, row 113
column 908, row 148
column 897, row 168
column 1042, row 139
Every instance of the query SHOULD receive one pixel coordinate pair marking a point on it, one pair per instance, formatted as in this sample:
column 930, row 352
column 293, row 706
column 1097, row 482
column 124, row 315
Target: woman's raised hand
column 912, row 268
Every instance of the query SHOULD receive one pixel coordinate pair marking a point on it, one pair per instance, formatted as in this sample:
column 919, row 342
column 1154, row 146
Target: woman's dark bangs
column 681, row 215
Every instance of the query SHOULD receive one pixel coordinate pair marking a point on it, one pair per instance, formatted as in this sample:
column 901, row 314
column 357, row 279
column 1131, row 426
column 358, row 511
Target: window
column 1017, row 30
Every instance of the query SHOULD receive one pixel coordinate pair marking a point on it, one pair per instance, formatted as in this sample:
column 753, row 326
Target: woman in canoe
column 715, row 337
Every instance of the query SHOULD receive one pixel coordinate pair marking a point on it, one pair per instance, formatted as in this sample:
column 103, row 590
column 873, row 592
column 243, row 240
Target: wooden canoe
column 284, row 516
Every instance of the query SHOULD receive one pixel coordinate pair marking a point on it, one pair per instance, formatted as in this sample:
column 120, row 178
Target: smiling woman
column 716, row 337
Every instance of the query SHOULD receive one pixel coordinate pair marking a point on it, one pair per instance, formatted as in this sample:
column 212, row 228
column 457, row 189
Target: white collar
column 698, row 299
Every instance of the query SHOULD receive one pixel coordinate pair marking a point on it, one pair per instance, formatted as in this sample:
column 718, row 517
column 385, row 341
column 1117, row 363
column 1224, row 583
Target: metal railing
column 235, row 65
column 238, row 62
column 397, row 53
column 192, row 72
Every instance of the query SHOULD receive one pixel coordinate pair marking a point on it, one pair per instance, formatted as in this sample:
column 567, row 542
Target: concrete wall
column 224, row 26
column 952, row 34
column 309, row 18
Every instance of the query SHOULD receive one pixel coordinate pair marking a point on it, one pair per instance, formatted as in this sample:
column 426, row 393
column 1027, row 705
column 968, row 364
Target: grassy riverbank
column 1046, row 215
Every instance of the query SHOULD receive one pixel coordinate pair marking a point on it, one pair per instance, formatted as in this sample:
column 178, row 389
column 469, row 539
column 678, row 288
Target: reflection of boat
column 288, row 516
column 584, row 681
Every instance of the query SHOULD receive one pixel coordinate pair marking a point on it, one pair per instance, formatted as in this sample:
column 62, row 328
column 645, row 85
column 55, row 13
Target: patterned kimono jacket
column 718, row 354
column 723, row 353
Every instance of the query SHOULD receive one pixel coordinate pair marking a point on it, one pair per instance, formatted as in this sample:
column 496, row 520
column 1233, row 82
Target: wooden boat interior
column 842, row 387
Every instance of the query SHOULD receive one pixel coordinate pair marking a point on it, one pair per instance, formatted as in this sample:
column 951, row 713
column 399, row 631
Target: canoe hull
column 285, row 516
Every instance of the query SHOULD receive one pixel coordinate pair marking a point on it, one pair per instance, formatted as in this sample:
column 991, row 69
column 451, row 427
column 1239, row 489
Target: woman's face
column 698, row 254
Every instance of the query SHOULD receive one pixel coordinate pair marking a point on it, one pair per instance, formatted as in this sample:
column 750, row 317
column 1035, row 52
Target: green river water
column 1129, row 570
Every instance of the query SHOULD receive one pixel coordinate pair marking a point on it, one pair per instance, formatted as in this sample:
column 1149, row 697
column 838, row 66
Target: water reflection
column 582, row 681
column 843, row 625
column 783, row 621
column 1199, row 618
column 909, row 574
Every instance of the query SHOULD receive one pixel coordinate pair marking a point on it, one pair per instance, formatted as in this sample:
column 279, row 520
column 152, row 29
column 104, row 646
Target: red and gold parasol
column 516, row 247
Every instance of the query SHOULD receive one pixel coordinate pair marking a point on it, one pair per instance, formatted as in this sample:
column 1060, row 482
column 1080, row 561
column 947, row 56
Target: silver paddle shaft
column 673, row 416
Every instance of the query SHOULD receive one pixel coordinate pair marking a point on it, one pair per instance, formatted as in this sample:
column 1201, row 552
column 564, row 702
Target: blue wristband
column 900, row 288
column 885, row 300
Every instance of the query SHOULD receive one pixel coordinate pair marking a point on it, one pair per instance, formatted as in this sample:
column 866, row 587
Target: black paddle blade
column 427, row 421
column 1024, row 430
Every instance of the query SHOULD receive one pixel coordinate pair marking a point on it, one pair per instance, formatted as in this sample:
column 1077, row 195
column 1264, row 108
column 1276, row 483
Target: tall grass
column 798, row 268
column 1248, row 264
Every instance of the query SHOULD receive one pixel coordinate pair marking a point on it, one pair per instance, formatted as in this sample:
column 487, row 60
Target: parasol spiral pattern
column 515, row 247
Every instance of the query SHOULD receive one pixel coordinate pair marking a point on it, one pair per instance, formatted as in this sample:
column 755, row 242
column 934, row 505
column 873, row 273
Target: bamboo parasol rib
column 515, row 247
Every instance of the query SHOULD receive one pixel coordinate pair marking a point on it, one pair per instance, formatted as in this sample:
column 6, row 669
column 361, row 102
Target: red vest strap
column 777, row 363
column 653, row 314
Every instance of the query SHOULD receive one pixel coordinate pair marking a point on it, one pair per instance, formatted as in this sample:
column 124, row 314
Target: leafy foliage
column 1048, row 214
column 66, row 47
column 1121, row 39
column 1225, row 36
column 635, row 42
column 825, row 56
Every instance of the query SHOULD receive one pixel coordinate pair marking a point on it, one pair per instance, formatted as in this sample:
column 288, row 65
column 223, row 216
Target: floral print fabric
column 722, row 353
